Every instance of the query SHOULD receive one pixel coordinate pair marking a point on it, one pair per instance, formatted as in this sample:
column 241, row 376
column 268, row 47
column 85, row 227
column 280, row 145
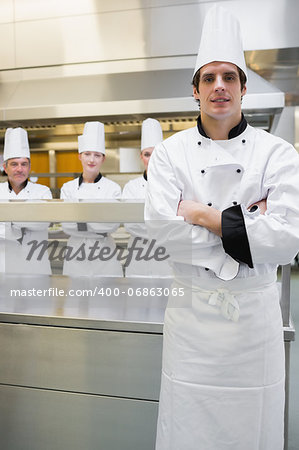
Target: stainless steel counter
column 119, row 304
column 83, row 370
column 79, row 372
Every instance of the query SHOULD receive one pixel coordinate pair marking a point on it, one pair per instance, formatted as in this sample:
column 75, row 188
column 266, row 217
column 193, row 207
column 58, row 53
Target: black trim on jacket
column 234, row 132
column 234, row 236
column 97, row 178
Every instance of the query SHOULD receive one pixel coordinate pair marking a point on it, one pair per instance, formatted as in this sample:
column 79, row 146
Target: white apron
column 16, row 238
column 136, row 190
column 96, row 268
column 104, row 189
column 223, row 381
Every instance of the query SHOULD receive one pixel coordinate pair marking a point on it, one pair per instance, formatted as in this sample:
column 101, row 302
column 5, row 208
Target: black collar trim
column 98, row 177
column 145, row 175
column 11, row 188
column 234, row 132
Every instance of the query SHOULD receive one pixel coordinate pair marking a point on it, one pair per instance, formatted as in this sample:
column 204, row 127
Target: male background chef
column 91, row 185
column 237, row 189
column 151, row 135
column 15, row 237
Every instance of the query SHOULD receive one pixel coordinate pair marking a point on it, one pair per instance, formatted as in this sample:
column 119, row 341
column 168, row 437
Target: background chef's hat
column 220, row 40
column 151, row 133
column 93, row 138
column 16, row 144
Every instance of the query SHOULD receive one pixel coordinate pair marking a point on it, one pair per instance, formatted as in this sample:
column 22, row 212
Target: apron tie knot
column 227, row 303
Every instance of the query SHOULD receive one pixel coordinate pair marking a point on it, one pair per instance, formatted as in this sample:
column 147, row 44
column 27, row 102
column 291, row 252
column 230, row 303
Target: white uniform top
column 19, row 234
column 31, row 191
column 223, row 357
column 104, row 189
column 136, row 190
column 242, row 170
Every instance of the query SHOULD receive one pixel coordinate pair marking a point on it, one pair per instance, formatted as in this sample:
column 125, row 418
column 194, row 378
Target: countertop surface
column 107, row 303
column 122, row 304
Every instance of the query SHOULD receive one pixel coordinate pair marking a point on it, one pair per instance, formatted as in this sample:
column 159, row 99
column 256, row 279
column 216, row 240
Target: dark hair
column 242, row 76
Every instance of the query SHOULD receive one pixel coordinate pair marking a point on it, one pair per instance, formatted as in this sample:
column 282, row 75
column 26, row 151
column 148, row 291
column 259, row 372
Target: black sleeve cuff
column 234, row 236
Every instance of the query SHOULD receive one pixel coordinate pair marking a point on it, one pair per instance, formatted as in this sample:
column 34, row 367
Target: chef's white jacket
column 223, row 367
column 135, row 190
column 229, row 175
column 16, row 236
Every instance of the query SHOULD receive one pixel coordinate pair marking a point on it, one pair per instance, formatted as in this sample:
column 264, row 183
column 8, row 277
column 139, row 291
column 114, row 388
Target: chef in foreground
column 151, row 135
column 236, row 188
column 92, row 186
column 15, row 237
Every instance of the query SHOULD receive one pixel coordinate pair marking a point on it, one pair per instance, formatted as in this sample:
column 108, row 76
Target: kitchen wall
column 44, row 42
column 39, row 33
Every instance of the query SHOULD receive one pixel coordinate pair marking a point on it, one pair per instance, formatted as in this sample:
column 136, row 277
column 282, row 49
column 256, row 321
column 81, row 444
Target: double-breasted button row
column 243, row 142
column 234, row 203
column 203, row 171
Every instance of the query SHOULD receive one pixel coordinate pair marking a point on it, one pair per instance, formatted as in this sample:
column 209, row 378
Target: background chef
column 151, row 135
column 91, row 185
column 15, row 237
column 223, row 358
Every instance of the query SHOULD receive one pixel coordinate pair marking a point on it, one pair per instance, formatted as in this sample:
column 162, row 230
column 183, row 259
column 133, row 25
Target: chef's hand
column 262, row 205
column 198, row 213
column 189, row 210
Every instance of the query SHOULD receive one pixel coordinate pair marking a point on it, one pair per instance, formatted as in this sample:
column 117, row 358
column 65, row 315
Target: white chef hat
column 220, row 40
column 16, row 144
column 93, row 138
column 151, row 133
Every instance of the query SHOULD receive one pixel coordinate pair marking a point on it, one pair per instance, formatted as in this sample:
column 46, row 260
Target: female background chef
column 151, row 135
column 16, row 236
column 91, row 185
column 223, row 358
